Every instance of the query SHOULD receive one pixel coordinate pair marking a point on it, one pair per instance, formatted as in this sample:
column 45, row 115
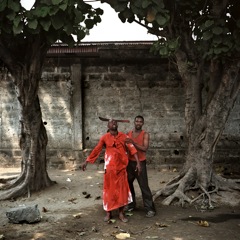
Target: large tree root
column 19, row 187
column 176, row 190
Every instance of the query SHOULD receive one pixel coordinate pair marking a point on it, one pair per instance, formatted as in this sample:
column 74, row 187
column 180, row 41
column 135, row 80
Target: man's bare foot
column 107, row 217
column 123, row 218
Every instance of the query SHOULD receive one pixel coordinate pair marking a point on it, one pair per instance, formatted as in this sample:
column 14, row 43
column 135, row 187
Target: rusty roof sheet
column 93, row 47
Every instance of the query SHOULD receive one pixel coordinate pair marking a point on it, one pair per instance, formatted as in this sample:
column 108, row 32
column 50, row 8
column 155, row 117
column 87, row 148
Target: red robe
column 116, row 192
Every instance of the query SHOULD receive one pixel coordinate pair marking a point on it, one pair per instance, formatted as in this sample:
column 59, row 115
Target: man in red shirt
column 140, row 139
column 116, row 192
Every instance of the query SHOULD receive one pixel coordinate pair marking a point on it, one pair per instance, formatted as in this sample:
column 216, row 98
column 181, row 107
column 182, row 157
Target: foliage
column 212, row 26
column 51, row 19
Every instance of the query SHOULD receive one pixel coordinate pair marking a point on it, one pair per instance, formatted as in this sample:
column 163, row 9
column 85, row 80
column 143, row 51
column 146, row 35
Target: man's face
column 112, row 125
column 138, row 123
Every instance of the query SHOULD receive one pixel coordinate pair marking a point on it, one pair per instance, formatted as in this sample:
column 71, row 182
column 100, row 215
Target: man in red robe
column 116, row 192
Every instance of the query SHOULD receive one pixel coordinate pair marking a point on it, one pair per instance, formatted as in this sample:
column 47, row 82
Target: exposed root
column 6, row 180
column 176, row 189
column 20, row 187
column 13, row 193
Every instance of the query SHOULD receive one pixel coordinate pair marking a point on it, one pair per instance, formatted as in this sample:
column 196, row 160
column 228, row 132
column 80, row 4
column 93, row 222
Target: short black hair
column 139, row 116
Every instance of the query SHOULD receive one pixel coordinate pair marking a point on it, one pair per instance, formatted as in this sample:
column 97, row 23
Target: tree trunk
column 204, row 129
column 33, row 143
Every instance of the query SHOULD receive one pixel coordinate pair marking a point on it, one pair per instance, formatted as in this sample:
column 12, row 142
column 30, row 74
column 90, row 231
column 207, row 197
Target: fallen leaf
column 203, row 223
column 81, row 233
column 44, row 209
column 68, row 180
column 94, row 229
column 72, row 200
column 88, row 195
column 123, row 235
column 78, row 215
column 128, row 213
column 111, row 221
column 161, row 224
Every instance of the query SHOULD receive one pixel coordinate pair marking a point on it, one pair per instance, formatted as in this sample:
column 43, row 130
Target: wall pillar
column 77, row 136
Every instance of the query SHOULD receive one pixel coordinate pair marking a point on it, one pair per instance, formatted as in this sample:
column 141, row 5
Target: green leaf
column 68, row 29
column 3, row 5
column 217, row 30
column 207, row 35
column 57, row 22
column 217, row 39
column 138, row 11
column 120, row 7
column 97, row 19
column 17, row 20
column 53, row 11
column 173, row 44
column 146, row 3
column 81, row 35
column 161, row 20
column 225, row 49
column 137, row 3
column 217, row 51
column 209, row 23
column 163, row 51
column 56, row 2
column 63, row 6
column 99, row 11
column 42, row 12
column 89, row 23
column 68, row 39
column 18, row 29
column 33, row 24
column 228, row 43
column 11, row 16
column 45, row 24
column 127, row 13
column 79, row 16
column 159, row 3
column 14, row 5
column 122, row 17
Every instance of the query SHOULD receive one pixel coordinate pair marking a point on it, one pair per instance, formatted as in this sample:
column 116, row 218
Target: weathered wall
column 119, row 82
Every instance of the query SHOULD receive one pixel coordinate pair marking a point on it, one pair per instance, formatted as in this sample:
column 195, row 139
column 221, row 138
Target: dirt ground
column 72, row 209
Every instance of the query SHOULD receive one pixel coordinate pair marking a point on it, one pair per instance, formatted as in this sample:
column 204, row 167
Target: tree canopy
column 213, row 26
column 67, row 21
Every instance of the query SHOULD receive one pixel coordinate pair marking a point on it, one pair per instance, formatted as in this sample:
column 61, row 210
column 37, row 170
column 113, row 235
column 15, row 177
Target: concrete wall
column 118, row 81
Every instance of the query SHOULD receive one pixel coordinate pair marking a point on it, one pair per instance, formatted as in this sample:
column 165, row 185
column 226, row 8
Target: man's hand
column 138, row 168
column 128, row 140
column 84, row 165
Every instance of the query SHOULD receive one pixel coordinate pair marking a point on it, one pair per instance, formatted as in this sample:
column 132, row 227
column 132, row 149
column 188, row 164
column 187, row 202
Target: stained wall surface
column 114, row 81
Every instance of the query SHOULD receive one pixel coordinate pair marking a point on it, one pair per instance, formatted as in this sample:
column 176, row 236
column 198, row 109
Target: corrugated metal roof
column 93, row 47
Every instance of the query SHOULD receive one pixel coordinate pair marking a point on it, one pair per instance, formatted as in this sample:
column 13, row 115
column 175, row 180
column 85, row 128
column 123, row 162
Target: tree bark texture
column 33, row 136
column 205, row 122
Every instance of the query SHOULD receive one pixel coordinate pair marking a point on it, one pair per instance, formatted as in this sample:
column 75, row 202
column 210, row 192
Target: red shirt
column 138, row 140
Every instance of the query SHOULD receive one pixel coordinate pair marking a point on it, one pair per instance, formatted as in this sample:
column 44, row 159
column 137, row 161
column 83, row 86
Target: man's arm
column 144, row 147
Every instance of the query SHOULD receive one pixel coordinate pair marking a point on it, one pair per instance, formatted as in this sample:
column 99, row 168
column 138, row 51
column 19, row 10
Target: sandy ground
column 73, row 210
column 72, row 189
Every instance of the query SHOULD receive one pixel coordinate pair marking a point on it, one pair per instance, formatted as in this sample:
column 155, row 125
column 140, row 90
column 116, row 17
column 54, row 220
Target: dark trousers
column 143, row 184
